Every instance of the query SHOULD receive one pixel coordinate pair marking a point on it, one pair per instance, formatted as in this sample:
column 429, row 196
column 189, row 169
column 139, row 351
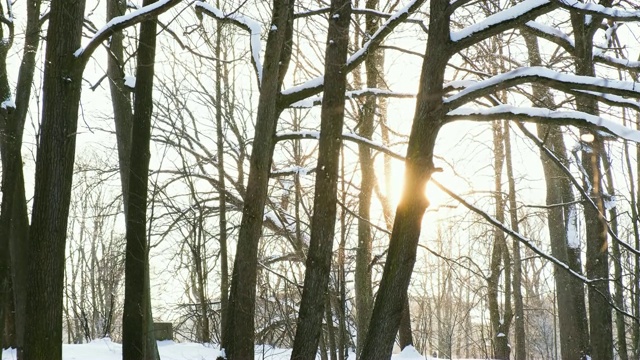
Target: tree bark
column 387, row 312
column 135, row 319
column 318, row 264
column 238, row 340
column 54, row 172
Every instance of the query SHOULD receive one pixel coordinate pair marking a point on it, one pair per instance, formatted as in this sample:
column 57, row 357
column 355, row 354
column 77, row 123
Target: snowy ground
column 105, row 349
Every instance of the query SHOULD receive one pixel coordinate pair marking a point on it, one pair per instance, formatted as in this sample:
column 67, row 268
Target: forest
column 339, row 178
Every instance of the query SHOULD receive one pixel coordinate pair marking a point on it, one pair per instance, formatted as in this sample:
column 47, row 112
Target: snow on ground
column 105, row 349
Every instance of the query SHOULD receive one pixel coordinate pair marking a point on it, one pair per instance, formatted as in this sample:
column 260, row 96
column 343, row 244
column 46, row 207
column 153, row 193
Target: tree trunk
column 222, row 215
column 238, row 340
column 135, row 319
column 54, row 172
column 14, row 221
column 318, row 264
column 572, row 315
column 122, row 114
column 600, row 321
column 618, row 299
column 521, row 349
column 499, row 258
column 387, row 312
column 363, row 289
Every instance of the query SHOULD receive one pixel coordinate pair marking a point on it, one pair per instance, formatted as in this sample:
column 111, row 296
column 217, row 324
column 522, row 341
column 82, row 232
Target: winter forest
column 337, row 179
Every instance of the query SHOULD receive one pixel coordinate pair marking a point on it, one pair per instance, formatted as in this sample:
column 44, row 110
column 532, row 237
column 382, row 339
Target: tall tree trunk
column 135, row 319
column 618, row 298
column 392, row 293
column 363, row 289
column 238, row 340
column 500, row 324
column 600, row 320
column 14, row 221
column 122, row 114
column 222, row 202
column 318, row 264
column 565, row 245
column 54, row 172
column 521, row 349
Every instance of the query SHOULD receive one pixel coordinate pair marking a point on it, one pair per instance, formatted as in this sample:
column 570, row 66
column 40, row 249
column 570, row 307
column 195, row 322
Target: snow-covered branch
column 501, row 21
column 253, row 27
column 121, row 22
column 541, row 75
column 546, row 116
column 599, row 10
column 563, row 40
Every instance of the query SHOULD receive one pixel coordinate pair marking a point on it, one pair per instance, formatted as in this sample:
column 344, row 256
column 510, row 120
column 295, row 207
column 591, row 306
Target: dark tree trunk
column 122, row 115
column 54, row 172
column 387, row 312
column 238, row 340
column 600, row 319
column 14, row 221
column 135, row 319
column 405, row 336
column 572, row 314
column 318, row 264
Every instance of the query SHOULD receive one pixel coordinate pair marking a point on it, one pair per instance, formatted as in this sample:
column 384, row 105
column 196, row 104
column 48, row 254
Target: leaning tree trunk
column 318, row 264
column 392, row 293
column 135, row 319
column 239, row 330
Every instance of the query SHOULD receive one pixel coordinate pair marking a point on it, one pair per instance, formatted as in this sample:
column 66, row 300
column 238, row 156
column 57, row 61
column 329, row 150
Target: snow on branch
column 547, row 116
column 315, row 135
column 314, row 101
column 550, row 33
column 541, row 75
column 597, row 9
column 563, row 40
column 521, row 12
column 252, row 26
column 124, row 21
column 314, row 86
